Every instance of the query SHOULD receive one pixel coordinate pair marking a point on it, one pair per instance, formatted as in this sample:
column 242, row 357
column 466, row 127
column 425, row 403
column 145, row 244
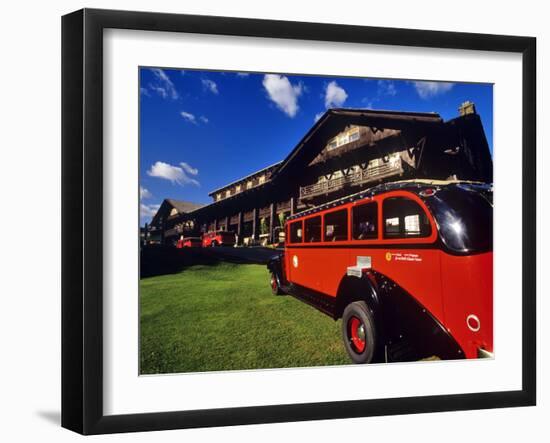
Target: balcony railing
column 357, row 178
column 173, row 232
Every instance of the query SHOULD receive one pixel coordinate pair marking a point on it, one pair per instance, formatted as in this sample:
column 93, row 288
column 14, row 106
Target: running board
column 322, row 302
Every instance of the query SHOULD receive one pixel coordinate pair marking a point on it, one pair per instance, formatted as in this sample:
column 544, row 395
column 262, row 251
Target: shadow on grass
column 161, row 260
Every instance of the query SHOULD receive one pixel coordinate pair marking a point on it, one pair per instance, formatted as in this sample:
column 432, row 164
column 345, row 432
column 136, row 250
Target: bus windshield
column 465, row 218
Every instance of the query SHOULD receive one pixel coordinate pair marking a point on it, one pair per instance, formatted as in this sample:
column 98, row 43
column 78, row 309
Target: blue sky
column 200, row 130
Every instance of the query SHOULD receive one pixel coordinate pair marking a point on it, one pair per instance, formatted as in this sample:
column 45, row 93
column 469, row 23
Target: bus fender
column 352, row 289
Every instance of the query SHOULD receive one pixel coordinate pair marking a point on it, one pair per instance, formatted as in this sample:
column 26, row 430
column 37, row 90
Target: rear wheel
column 359, row 332
column 274, row 283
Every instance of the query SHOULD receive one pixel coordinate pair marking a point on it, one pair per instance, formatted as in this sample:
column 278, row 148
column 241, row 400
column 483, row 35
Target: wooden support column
column 255, row 224
column 215, row 224
column 240, row 228
column 227, row 223
column 271, row 221
column 293, row 205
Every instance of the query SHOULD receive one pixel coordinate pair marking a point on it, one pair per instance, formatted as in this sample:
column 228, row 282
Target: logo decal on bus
column 398, row 256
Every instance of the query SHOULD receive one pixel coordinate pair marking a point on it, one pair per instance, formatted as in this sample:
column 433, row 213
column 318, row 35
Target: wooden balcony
column 175, row 231
column 371, row 174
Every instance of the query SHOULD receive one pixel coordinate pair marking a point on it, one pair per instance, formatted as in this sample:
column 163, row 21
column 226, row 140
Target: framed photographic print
column 261, row 217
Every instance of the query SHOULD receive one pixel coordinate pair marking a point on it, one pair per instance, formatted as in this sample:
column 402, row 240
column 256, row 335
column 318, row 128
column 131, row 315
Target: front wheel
column 274, row 283
column 359, row 332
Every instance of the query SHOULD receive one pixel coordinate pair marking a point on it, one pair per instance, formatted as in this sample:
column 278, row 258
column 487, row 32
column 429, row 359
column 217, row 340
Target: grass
column 224, row 317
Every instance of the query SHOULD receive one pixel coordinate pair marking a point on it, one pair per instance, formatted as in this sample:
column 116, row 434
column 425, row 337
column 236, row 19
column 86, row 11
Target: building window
column 218, row 196
column 343, row 139
column 296, row 232
column 238, row 188
column 354, row 135
column 312, row 229
column 261, row 180
column 365, row 222
column 228, row 193
column 404, row 218
column 249, row 184
column 174, row 211
column 333, row 144
column 336, row 226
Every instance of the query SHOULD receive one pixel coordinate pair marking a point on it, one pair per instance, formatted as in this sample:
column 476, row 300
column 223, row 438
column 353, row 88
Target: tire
column 274, row 283
column 214, row 244
column 359, row 333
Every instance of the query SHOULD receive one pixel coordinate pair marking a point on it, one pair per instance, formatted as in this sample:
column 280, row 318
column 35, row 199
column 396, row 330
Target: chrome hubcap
column 361, row 332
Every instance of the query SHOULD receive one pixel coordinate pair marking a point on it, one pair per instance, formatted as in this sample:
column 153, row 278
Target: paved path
column 246, row 254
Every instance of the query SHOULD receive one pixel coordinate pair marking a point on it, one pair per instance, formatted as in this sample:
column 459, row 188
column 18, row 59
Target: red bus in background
column 189, row 242
column 407, row 266
column 218, row 238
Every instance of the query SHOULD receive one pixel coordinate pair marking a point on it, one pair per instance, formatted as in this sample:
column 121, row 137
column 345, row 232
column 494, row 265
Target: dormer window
column 354, row 135
column 238, row 188
column 228, row 193
column 249, row 184
column 218, row 196
column 343, row 139
column 261, row 179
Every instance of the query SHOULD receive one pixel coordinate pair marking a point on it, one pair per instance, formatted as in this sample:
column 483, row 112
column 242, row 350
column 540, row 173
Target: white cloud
column 318, row 116
column 175, row 174
column 144, row 193
column 369, row 104
column 335, row 96
column 210, row 85
column 148, row 210
column 386, row 87
column 242, row 74
column 192, row 118
column 283, row 93
column 144, row 91
column 189, row 169
column 189, row 117
column 427, row 90
column 163, row 86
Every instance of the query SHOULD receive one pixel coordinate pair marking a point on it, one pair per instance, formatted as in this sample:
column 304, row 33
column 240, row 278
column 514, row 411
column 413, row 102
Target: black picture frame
column 82, row 230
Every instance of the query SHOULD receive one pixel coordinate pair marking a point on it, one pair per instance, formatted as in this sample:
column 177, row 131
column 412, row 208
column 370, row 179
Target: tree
column 263, row 226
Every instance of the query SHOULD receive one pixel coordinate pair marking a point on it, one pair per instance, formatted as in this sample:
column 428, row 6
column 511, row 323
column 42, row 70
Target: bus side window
column 312, row 229
column 365, row 221
column 296, row 232
column 336, row 226
column 404, row 218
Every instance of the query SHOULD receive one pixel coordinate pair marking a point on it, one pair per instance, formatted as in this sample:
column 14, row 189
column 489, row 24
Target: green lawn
column 224, row 317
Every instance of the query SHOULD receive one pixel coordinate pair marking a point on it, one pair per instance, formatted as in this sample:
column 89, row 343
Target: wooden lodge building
column 345, row 151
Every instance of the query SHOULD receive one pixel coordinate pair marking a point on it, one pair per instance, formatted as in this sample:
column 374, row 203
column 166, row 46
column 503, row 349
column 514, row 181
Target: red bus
column 189, row 242
column 407, row 266
column 218, row 238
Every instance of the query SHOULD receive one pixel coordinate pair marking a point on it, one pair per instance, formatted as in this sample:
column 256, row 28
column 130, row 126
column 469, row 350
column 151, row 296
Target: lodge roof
column 335, row 120
column 183, row 206
column 341, row 117
column 242, row 179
